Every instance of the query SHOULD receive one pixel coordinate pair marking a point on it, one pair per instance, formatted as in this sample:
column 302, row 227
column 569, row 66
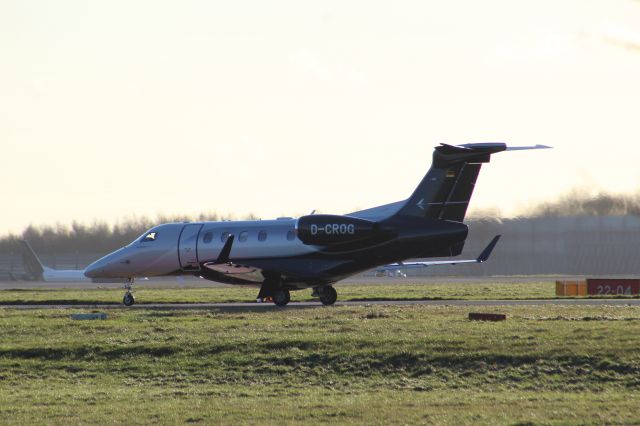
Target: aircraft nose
column 113, row 265
column 95, row 270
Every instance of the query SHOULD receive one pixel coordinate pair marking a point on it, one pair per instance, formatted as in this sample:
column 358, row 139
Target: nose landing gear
column 128, row 298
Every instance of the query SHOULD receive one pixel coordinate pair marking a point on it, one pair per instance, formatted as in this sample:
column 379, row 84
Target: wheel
column 281, row 297
column 328, row 295
column 128, row 299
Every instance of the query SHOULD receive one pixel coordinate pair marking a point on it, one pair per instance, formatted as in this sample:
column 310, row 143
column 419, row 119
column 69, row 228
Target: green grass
column 400, row 291
column 357, row 364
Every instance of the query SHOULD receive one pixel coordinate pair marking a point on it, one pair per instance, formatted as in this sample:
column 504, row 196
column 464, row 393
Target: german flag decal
column 451, row 173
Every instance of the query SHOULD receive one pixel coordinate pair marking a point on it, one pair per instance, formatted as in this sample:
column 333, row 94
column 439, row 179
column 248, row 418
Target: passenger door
column 188, row 247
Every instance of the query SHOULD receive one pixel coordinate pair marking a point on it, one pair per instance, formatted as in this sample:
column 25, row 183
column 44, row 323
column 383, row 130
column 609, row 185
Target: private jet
column 317, row 250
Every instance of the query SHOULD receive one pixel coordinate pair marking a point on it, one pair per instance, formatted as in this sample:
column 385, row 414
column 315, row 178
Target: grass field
column 400, row 291
column 359, row 365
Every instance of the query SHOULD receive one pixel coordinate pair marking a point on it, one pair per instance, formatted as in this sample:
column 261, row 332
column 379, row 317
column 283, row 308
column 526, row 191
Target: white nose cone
column 113, row 265
column 96, row 269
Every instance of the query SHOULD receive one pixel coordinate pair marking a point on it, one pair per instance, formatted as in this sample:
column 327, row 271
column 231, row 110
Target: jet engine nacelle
column 325, row 229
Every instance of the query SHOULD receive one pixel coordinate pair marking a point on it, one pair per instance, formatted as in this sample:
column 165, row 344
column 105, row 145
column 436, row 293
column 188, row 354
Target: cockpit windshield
column 147, row 237
column 151, row 236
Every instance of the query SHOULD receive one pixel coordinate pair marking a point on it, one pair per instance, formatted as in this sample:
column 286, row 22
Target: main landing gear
column 272, row 289
column 128, row 298
column 281, row 297
column 327, row 294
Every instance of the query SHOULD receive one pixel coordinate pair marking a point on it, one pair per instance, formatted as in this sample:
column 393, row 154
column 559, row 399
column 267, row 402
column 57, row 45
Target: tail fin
column 446, row 190
column 32, row 263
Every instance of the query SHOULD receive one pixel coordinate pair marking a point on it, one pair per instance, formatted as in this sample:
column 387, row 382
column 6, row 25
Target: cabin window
column 262, row 235
column 208, row 236
column 151, row 236
column 224, row 236
column 291, row 234
column 243, row 236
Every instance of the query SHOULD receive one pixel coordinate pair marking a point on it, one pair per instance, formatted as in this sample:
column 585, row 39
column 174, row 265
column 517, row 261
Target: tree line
column 101, row 237
column 95, row 237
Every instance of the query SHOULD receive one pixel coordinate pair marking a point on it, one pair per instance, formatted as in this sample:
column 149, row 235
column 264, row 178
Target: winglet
column 484, row 256
column 223, row 257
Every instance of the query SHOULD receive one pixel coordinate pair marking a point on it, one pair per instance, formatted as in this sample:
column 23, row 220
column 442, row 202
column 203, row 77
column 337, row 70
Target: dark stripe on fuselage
column 301, row 266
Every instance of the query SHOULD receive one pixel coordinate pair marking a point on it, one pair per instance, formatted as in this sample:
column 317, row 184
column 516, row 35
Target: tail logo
column 421, row 205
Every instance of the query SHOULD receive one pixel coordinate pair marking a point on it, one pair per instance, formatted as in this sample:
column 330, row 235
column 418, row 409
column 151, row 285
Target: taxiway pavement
column 264, row 307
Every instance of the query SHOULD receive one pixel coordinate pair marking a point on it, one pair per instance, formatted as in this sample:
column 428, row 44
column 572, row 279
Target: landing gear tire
column 128, row 299
column 281, row 297
column 328, row 295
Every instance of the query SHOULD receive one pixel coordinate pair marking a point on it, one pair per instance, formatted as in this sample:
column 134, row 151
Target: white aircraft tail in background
column 40, row 272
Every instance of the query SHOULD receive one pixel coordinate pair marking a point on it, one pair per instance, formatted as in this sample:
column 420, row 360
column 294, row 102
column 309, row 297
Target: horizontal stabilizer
column 494, row 145
column 522, row 148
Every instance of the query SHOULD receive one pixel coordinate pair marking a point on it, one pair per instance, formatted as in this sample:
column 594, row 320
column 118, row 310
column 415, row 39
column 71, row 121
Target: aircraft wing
column 484, row 256
column 224, row 270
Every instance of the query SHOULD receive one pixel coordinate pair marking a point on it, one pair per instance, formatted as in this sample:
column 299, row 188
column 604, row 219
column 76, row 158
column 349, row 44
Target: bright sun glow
column 111, row 109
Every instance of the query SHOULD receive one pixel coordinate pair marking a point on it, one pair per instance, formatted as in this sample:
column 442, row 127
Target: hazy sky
column 121, row 108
